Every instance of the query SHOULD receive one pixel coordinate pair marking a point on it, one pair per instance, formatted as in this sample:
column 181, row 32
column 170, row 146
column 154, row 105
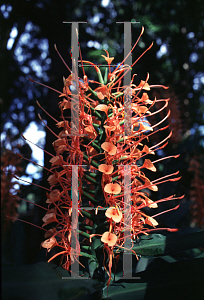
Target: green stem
column 106, row 75
column 85, row 226
column 93, row 163
column 115, row 178
column 93, row 174
column 85, row 234
column 93, row 263
column 86, row 247
column 98, row 148
column 89, row 178
column 118, row 160
column 86, row 189
column 89, row 197
column 100, row 78
column 86, row 214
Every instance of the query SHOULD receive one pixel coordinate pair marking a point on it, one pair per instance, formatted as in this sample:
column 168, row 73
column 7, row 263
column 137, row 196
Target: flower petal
column 49, row 218
column 52, row 179
column 53, row 196
column 112, row 188
column 151, row 221
column 102, row 107
column 114, row 213
column 109, row 238
column 106, row 169
column 144, row 85
column 149, row 165
column 56, row 160
column 109, row 147
column 48, row 244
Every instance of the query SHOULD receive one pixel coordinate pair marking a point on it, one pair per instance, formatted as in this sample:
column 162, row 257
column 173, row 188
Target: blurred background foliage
column 29, row 31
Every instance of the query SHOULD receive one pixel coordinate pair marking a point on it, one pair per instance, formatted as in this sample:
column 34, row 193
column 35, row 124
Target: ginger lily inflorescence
column 102, row 152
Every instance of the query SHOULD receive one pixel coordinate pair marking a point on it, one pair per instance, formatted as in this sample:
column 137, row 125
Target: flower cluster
column 101, row 145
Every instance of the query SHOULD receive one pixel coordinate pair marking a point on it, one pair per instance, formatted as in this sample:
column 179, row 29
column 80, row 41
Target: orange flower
column 90, row 131
column 114, row 213
column 49, row 218
column 112, row 188
column 53, row 196
column 150, row 203
column 59, row 142
column 142, row 126
column 62, row 123
column 148, row 183
column 102, row 92
column 106, row 169
column 107, row 58
column 144, row 85
column 145, row 98
column 149, row 165
column 109, row 238
column 50, row 232
column 151, row 221
column 52, row 179
column 147, row 150
column 62, row 148
column 48, row 244
column 102, row 107
column 91, row 150
column 109, row 147
column 110, row 128
column 141, row 110
column 56, row 160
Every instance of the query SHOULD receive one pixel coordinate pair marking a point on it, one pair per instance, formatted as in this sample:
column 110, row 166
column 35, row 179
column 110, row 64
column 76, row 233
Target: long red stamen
column 62, row 59
column 46, row 86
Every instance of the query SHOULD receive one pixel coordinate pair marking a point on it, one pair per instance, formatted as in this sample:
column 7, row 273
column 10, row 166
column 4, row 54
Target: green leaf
column 157, row 244
column 93, row 265
column 151, row 245
column 86, row 254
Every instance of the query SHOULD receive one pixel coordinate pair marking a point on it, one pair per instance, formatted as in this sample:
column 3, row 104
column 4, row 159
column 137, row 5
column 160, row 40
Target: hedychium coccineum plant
column 105, row 150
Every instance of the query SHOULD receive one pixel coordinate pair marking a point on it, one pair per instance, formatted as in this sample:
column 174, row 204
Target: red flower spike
column 119, row 150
